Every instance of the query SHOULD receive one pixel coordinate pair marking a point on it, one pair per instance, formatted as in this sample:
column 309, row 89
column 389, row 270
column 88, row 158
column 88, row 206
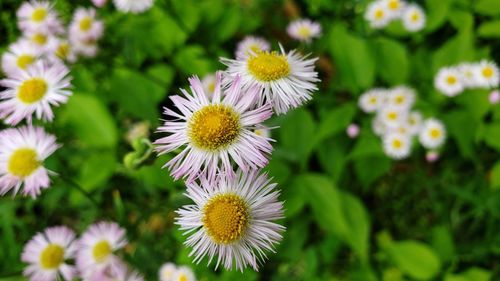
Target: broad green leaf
column 369, row 169
column 335, row 121
column 442, row 242
column 476, row 102
column 92, row 123
column 461, row 19
column 193, row 60
column 161, row 74
column 228, row 24
column 353, row 58
column 495, row 176
column 471, row 274
column 367, row 144
column 492, row 136
column 332, row 155
column 487, row 7
column 392, row 61
column 437, row 11
column 414, row 259
column 456, row 50
column 298, row 146
column 97, row 168
column 188, row 12
column 358, row 224
column 489, row 29
column 461, row 126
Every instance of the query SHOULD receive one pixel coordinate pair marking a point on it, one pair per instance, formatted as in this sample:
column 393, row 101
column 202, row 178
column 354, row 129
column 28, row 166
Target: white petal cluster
column 382, row 12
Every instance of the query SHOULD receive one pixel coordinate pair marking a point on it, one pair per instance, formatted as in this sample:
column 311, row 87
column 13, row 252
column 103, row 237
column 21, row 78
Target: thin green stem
column 80, row 189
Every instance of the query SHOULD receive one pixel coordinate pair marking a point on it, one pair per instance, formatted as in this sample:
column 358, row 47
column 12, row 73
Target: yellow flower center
column 101, row 251
column 451, row 80
column 214, row 127
column 183, row 277
column 268, row 66
column 487, row 72
column 23, row 162
column 435, row 133
column 211, row 87
column 32, row 90
column 415, row 17
column 397, row 143
column 86, row 23
column 39, row 39
column 304, row 32
column 39, row 14
column 392, row 115
column 52, row 256
column 62, row 50
column 23, row 61
column 372, row 100
column 400, row 99
column 225, row 218
column 394, row 4
column 379, row 14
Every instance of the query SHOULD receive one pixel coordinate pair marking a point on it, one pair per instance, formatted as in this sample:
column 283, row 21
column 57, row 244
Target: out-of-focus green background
column 351, row 212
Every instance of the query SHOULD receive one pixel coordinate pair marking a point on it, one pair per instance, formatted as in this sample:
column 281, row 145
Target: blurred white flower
column 469, row 74
column 431, row 156
column 61, row 51
column 251, row 45
column 397, row 146
column 449, row 81
column 208, row 83
column 304, row 30
column 183, row 273
column 372, row 100
column 415, row 120
column 433, row 134
column 352, row 130
column 494, row 97
column 19, row 56
column 85, row 26
column 99, row 3
column 488, row 75
column 167, row 272
column 133, row 6
column 377, row 14
column 413, row 18
column 402, row 97
column 393, row 116
column 38, row 16
column 394, row 7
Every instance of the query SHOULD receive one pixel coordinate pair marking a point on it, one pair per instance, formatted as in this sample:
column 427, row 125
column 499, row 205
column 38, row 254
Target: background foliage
column 352, row 214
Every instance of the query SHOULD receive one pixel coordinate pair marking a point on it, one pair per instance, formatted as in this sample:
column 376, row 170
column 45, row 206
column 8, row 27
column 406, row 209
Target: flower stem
column 80, row 189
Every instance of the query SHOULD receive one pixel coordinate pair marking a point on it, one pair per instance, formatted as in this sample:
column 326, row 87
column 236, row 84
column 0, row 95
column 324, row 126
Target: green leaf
column 457, row 49
column 298, row 146
column 489, row 29
column 97, row 168
column 476, row 102
column 369, row 169
column 335, row 121
column 392, row 61
column 437, row 11
column 332, row 155
column 492, row 136
column 415, row 259
column 487, row 7
column 90, row 120
column 461, row 126
column 495, row 176
column 188, row 12
column 353, row 58
column 461, row 19
column 471, row 274
column 193, row 60
column 442, row 242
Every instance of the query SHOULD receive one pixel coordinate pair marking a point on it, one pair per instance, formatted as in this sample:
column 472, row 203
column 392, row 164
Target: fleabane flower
column 84, row 47
column 377, row 14
column 401, row 97
column 469, row 74
column 22, row 152
column 232, row 219
column 378, row 126
column 34, row 92
column 99, row 3
column 287, row 80
column 394, row 7
column 61, row 50
column 251, row 45
column 448, row 81
column 372, row 100
column 487, row 74
column 397, row 146
column 97, row 248
column 413, row 18
column 208, row 83
column 304, row 30
column 38, row 16
column 19, row 56
column 263, row 131
column 167, row 271
column 40, row 39
column 494, row 97
column 183, row 273
column 47, row 253
column 85, row 25
column 432, row 134
column 353, row 130
column 118, row 271
column 415, row 120
column 133, row 6
column 215, row 131
column 393, row 116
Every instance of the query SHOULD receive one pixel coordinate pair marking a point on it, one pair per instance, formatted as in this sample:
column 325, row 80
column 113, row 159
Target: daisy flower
column 372, row 100
column 208, row 83
column 393, row 116
column 287, row 80
column 263, row 131
column 433, row 134
column 487, row 73
column 38, row 16
column 251, row 45
column 97, row 247
column 47, row 253
column 87, row 48
column 469, row 75
column 214, row 131
column 415, row 120
column 133, row 6
column 85, row 26
column 34, row 91
column 448, row 81
column 19, row 56
column 494, row 97
column 22, row 152
column 61, row 51
column 40, row 39
column 413, row 18
column 377, row 14
column 119, row 271
column 183, row 273
column 397, row 146
column 167, row 272
column 378, row 127
column 394, row 7
column 352, row 130
column 99, row 3
column 233, row 219
column 304, row 30
column 401, row 97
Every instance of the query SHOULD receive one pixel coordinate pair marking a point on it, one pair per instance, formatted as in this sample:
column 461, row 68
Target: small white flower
column 377, row 14
column 85, row 26
column 433, row 134
column 38, row 16
column 469, row 74
column 413, row 18
column 397, row 146
column 415, row 120
column 87, row 48
column 40, row 39
column 183, row 273
column 394, row 7
column 167, row 272
column 431, row 156
column 401, row 97
column 449, row 81
column 488, row 75
column 494, row 97
column 372, row 100
column 304, row 30
column 133, row 6
column 208, row 83
column 118, row 271
column 263, row 131
column 232, row 220
column 378, row 127
column 61, row 51
column 393, row 116
column 251, row 45
column 47, row 253
column 19, row 56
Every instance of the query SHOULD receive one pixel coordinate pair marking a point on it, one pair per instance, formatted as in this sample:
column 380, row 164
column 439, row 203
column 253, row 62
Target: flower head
column 353, row 130
column 494, row 97
column 469, row 74
column 449, row 81
column 377, row 14
column 397, row 146
column 232, row 219
column 214, row 131
column 401, row 97
column 37, row 15
column 85, row 26
column 413, row 18
column 117, row 271
column 47, row 253
column 183, row 273
column 133, row 6
column 304, row 30
column 433, row 134
column 392, row 116
column 372, row 100
column 208, row 83
column 251, row 45
column 487, row 74
column 167, row 272
column 431, row 156
column 19, row 56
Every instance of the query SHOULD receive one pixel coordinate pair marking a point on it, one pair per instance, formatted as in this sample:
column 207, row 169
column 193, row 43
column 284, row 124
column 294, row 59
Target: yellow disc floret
column 23, row 162
column 86, row 23
column 487, row 72
column 39, row 39
column 397, row 143
column 39, row 14
column 225, row 218
column 435, row 133
column 214, row 127
column 52, row 256
column 32, row 90
column 23, row 61
column 101, row 251
column 268, row 66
